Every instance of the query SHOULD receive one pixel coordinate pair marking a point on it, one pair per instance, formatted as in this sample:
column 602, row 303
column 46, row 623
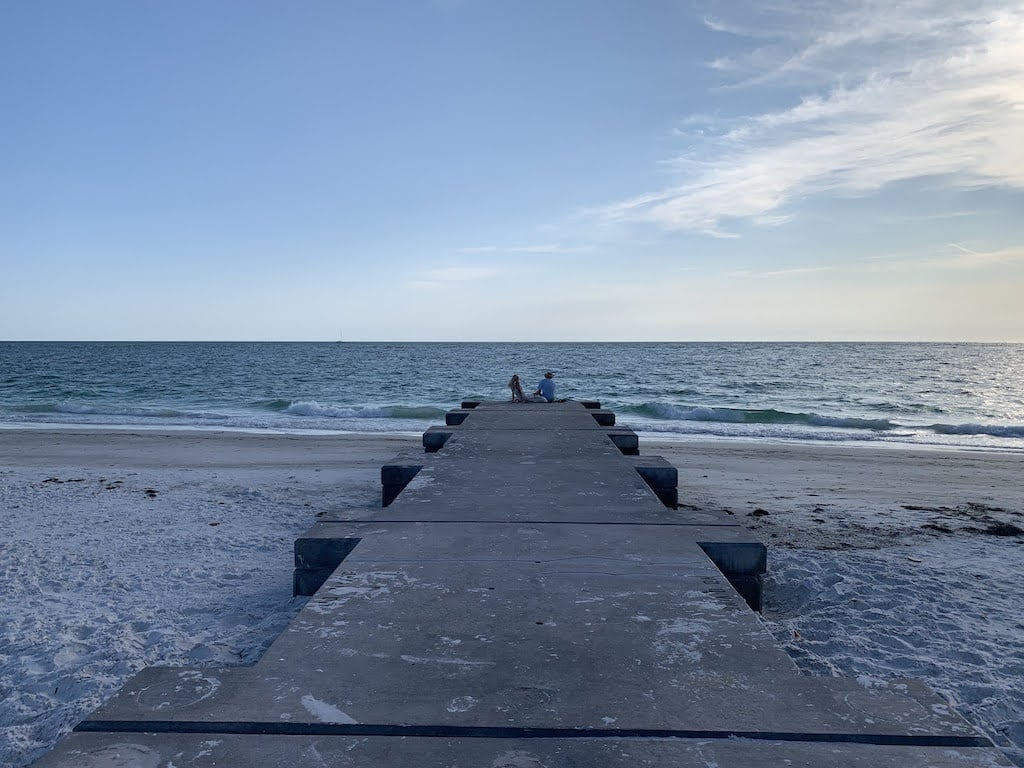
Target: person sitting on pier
column 546, row 388
column 518, row 396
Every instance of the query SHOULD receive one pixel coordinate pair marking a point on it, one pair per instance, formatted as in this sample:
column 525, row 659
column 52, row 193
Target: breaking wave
column 263, row 414
column 662, row 411
column 770, row 422
column 995, row 430
column 315, row 409
column 100, row 410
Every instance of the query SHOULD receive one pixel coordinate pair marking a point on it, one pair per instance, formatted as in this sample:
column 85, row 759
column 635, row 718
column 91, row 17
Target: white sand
column 101, row 578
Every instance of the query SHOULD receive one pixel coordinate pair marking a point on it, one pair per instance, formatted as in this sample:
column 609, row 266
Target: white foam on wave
column 115, row 410
column 705, row 413
column 995, row 430
column 849, row 422
column 314, row 409
column 698, row 413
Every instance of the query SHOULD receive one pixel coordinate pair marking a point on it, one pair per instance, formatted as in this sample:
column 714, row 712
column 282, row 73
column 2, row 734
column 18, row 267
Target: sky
column 540, row 170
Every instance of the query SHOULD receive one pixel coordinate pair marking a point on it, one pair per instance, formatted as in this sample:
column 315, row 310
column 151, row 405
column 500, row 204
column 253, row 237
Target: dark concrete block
column 400, row 471
column 743, row 563
column 318, row 552
column 668, row 496
column 750, row 588
column 603, row 418
column 657, row 472
column 397, row 474
column 455, row 417
column 625, row 440
column 389, row 492
column 306, row 581
column 322, row 548
column 750, row 557
column 435, row 438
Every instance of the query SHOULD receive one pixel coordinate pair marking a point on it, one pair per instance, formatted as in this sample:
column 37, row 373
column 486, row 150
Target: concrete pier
column 527, row 595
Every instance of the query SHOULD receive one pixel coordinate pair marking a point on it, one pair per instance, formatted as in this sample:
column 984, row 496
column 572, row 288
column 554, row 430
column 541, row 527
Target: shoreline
column 647, row 437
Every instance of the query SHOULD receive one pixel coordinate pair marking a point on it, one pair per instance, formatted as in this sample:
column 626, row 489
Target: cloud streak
column 460, row 274
column 445, row 276
column 749, row 273
column 923, row 89
column 955, row 257
column 968, row 258
column 543, row 248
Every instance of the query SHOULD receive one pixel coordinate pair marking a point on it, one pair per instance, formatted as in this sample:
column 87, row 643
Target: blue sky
column 482, row 170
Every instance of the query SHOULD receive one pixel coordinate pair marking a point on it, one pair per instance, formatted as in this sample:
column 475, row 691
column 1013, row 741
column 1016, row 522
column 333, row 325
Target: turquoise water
column 960, row 395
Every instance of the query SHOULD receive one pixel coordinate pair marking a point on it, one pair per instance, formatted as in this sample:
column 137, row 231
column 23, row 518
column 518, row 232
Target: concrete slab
column 207, row 750
column 580, row 643
column 599, row 488
column 519, row 418
column 522, row 416
column 413, row 541
column 740, row 558
column 695, row 518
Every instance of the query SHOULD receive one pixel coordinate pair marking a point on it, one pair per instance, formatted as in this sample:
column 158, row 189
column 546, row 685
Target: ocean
column 948, row 395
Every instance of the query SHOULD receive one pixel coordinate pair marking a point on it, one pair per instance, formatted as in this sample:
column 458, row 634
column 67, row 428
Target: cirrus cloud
column 918, row 90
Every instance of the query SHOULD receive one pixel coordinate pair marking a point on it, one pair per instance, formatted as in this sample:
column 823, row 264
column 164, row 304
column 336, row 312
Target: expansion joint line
column 504, row 732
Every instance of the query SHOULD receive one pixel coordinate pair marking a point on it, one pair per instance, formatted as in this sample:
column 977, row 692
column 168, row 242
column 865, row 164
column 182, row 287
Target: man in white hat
column 546, row 388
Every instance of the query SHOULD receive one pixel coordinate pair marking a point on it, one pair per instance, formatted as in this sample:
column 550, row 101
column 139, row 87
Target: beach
column 131, row 548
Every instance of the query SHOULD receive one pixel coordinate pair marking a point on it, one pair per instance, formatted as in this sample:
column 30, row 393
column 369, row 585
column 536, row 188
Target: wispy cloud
column 954, row 256
column 920, row 88
column 544, row 248
column 460, row 274
column 939, row 216
column 749, row 273
column 444, row 276
column 968, row 258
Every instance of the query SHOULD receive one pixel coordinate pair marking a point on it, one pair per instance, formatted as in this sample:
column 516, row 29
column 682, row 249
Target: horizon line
column 513, row 341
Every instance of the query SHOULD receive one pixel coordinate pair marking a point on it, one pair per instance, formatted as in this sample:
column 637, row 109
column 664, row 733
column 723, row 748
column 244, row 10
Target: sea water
column 953, row 395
